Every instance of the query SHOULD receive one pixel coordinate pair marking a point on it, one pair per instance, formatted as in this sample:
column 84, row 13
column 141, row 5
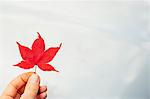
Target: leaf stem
column 35, row 68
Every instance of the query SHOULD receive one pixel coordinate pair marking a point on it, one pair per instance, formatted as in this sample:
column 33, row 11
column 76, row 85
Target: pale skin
column 25, row 86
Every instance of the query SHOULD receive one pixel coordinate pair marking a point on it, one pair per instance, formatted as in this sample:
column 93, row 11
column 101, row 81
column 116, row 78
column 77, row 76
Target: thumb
column 32, row 87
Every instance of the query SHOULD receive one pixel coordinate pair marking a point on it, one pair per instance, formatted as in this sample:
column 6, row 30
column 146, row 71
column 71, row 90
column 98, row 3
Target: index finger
column 14, row 85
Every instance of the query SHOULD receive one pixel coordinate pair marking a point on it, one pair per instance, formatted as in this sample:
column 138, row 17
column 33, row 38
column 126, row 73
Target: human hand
column 25, row 86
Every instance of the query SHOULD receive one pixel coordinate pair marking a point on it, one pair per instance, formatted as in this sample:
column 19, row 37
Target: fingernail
column 34, row 78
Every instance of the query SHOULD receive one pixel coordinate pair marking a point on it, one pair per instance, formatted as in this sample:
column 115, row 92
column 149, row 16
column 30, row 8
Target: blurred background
column 105, row 52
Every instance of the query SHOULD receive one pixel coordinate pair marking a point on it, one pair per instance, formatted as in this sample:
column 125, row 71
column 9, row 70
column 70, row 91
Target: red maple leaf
column 37, row 55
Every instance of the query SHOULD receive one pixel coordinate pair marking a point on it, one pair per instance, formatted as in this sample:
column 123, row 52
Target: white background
column 105, row 52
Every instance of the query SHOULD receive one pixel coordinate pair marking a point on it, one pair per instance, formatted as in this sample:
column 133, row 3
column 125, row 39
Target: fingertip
column 26, row 76
column 43, row 95
column 42, row 89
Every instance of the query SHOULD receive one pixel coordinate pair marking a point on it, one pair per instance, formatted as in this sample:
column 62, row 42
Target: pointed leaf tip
column 60, row 45
column 17, row 43
column 15, row 65
column 56, row 71
column 39, row 35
